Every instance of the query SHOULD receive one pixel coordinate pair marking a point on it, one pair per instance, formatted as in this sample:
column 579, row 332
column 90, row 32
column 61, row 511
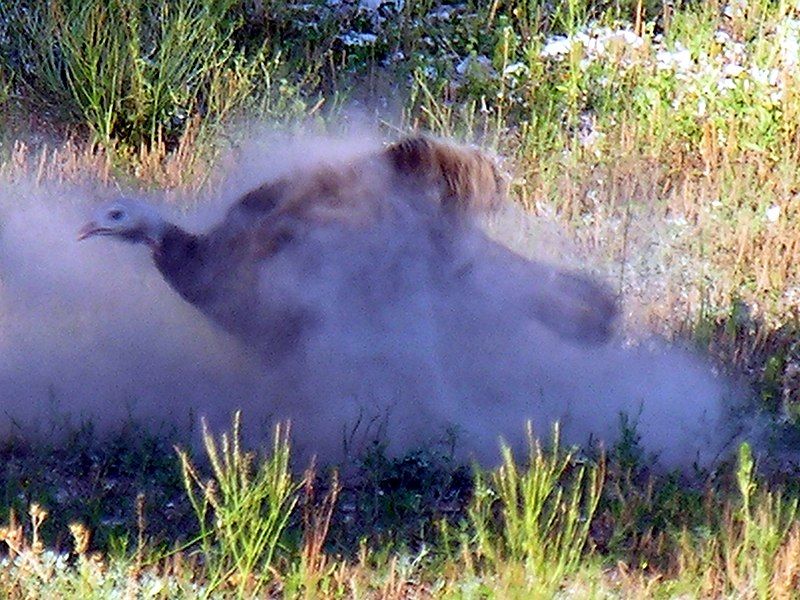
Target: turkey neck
column 180, row 257
column 211, row 272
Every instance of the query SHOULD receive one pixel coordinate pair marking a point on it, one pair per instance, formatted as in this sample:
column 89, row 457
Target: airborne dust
column 90, row 332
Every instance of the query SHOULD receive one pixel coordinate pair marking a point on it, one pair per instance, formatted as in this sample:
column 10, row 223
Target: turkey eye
column 115, row 215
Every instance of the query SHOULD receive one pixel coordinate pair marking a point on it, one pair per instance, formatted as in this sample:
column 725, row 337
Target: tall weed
column 243, row 510
column 537, row 516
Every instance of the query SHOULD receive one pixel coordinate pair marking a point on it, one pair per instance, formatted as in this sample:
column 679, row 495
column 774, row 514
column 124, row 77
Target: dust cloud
column 90, row 332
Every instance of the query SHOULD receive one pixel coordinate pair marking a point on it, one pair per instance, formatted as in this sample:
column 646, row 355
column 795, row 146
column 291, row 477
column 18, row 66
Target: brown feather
column 461, row 179
column 467, row 179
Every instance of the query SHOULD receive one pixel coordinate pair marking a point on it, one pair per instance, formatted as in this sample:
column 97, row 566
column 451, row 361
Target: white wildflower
column 664, row 60
column 678, row 220
column 588, row 133
column 429, row 71
column 152, row 586
column 373, row 5
column 556, row 47
column 759, row 75
column 773, row 213
column 732, row 70
column 789, row 42
column 582, row 38
column 789, row 52
column 678, row 60
column 595, row 42
column 722, row 37
column 516, row 69
column 443, row 13
column 62, row 562
column 735, row 9
column 626, row 37
column 354, row 38
column 591, row 139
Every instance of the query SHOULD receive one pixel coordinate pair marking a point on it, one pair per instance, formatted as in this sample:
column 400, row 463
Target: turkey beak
column 88, row 230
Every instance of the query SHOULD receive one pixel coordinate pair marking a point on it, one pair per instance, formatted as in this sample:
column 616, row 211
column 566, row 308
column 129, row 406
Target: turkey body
column 408, row 208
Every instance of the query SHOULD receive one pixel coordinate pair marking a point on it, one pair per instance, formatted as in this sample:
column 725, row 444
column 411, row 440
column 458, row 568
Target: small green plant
column 762, row 525
column 243, row 510
column 545, row 511
column 752, row 550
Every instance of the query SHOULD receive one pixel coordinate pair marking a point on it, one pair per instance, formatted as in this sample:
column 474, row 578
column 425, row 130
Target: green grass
column 545, row 513
column 243, row 510
column 530, row 528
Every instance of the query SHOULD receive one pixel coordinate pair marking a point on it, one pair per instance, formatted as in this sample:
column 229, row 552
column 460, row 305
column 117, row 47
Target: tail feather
column 467, row 178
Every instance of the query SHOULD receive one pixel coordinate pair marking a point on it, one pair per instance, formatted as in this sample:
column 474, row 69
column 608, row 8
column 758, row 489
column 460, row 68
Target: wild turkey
column 409, row 203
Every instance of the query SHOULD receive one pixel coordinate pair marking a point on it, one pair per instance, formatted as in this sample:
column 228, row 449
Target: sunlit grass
column 545, row 510
column 532, row 529
column 243, row 510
